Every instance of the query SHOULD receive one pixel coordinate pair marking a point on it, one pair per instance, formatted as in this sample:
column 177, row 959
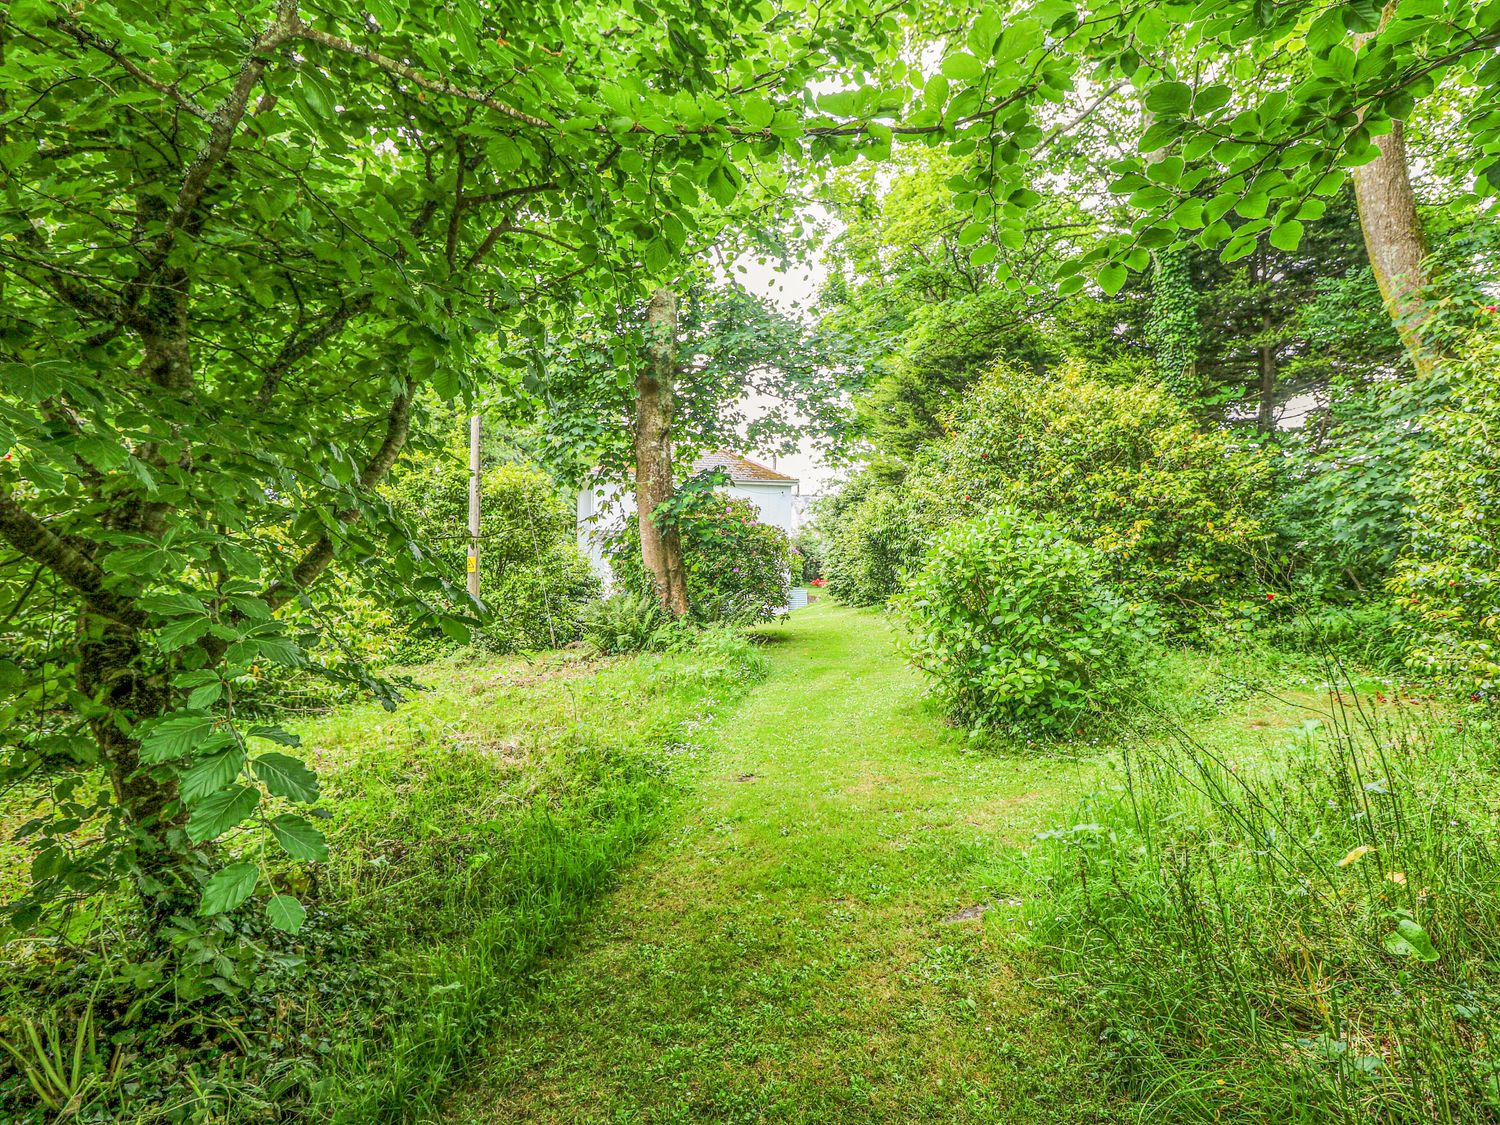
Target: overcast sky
column 792, row 290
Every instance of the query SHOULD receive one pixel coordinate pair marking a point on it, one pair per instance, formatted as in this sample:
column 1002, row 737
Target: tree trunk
column 1394, row 240
column 1265, row 416
column 114, row 672
column 661, row 547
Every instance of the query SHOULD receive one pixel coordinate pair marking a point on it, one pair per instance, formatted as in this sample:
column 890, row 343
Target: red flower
column 1270, row 597
column 1492, row 308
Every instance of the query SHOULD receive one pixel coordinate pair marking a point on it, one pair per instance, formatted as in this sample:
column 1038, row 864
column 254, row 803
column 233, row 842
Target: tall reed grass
column 1306, row 929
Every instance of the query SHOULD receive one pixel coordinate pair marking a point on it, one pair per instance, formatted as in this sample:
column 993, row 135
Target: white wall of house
column 602, row 511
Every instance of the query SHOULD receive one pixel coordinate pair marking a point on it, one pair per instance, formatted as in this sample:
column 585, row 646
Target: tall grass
column 1301, row 931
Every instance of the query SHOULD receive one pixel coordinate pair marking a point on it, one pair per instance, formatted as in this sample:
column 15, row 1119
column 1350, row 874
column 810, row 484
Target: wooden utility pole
column 472, row 565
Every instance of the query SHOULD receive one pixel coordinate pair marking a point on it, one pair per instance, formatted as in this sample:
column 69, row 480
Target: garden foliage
column 1174, row 512
column 534, row 579
column 1448, row 583
column 738, row 568
column 1018, row 628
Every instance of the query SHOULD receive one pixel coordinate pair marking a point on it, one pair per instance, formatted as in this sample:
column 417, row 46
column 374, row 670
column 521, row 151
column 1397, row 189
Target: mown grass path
column 787, row 952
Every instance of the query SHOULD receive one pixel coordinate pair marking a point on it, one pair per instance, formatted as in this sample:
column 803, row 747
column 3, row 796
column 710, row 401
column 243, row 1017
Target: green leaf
column 299, row 839
column 1409, row 939
column 983, row 255
column 962, row 67
column 217, row 814
column 935, row 93
column 276, row 735
column 1160, row 135
column 1112, row 278
column 286, row 913
column 287, row 777
column 757, row 112
column 181, row 631
column 1169, row 99
column 1288, row 236
column 175, row 737
column 1252, row 206
column 1210, row 98
column 228, row 888
column 211, row 774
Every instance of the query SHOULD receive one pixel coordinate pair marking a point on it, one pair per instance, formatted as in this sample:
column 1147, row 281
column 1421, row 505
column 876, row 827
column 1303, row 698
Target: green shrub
column 1013, row 622
column 1449, row 580
column 811, row 551
column 1173, row 511
column 534, row 581
column 738, row 569
column 872, row 542
column 630, row 621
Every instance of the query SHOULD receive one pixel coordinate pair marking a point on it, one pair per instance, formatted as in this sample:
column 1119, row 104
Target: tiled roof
column 739, row 468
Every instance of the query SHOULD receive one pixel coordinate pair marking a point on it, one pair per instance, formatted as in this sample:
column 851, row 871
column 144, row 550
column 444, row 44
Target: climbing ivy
column 1173, row 325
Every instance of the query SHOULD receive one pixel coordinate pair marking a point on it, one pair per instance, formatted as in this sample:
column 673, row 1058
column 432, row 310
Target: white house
column 603, row 508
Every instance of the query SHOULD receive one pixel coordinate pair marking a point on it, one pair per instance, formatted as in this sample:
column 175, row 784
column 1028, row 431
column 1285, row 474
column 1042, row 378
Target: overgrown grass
column 1248, row 911
column 470, row 829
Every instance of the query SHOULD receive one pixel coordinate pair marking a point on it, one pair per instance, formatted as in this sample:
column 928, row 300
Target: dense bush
column 872, row 541
column 1013, row 622
column 739, row 569
column 1449, row 581
column 534, row 581
column 1174, row 511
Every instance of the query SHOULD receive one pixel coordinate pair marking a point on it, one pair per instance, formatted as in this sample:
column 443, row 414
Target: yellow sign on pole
column 473, row 565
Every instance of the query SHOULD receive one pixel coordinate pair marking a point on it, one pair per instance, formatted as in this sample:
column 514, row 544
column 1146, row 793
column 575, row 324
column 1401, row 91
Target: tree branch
column 299, row 347
column 38, row 542
column 87, row 38
column 416, row 78
column 316, row 558
column 223, row 121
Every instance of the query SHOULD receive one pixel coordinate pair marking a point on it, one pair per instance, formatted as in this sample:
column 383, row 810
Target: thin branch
column 223, row 122
column 87, row 38
column 316, row 559
column 508, row 193
column 38, row 542
column 416, row 78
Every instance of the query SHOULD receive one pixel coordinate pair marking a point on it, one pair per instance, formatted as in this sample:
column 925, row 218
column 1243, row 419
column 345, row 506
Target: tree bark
column 1395, row 242
column 1265, row 415
column 661, row 547
column 115, row 672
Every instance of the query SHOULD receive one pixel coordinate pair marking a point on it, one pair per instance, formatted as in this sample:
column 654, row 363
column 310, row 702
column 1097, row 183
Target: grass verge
column 1288, row 912
column 469, row 830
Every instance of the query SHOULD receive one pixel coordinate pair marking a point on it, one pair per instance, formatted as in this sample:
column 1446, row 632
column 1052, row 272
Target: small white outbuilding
column 603, row 508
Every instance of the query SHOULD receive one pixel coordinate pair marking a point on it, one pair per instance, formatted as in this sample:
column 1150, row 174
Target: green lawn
column 800, row 944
